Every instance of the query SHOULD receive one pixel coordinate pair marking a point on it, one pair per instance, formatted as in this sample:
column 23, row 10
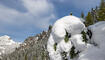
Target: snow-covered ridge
column 7, row 45
column 6, row 40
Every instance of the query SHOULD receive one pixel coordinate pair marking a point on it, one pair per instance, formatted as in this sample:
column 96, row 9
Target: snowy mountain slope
column 96, row 50
column 98, row 32
column 7, row 45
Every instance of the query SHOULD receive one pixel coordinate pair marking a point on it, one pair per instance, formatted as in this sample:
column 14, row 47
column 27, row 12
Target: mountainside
column 70, row 38
column 33, row 48
column 7, row 45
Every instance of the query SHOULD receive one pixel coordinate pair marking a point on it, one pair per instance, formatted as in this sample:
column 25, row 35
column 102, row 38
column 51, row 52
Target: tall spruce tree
column 89, row 19
column 101, row 11
column 102, row 5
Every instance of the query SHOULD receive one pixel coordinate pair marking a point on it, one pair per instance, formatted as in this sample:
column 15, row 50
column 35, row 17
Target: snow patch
column 7, row 45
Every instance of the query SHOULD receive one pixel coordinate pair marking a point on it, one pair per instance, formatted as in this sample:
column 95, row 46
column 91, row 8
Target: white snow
column 96, row 52
column 98, row 33
column 74, row 26
column 92, row 53
column 93, row 50
column 78, row 43
column 63, row 46
column 6, row 40
column 7, row 45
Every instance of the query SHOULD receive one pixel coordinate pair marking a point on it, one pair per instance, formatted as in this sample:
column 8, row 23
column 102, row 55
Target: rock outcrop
column 33, row 48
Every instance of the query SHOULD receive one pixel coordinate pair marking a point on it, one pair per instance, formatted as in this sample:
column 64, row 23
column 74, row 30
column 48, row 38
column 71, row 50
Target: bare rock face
column 33, row 48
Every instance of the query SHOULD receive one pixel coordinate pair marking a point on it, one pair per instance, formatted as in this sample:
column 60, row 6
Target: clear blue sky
column 22, row 18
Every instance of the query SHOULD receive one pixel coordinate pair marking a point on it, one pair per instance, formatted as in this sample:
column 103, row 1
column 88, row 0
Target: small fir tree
column 101, row 11
column 67, row 37
column 84, row 37
column 89, row 19
column 55, row 46
column 64, row 55
column 70, row 13
column 102, row 5
column 82, row 15
column 73, row 53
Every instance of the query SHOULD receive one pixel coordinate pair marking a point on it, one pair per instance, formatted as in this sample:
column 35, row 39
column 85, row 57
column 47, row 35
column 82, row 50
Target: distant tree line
column 95, row 15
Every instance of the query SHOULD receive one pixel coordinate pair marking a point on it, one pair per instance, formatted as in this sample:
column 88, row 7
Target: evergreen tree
column 73, row 53
column 50, row 27
column 55, row 46
column 84, row 37
column 102, row 5
column 67, row 36
column 70, row 13
column 26, row 58
column 101, row 11
column 64, row 55
column 96, row 8
column 94, row 14
column 82, row 15
column 89, row 19
column 89, row 33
